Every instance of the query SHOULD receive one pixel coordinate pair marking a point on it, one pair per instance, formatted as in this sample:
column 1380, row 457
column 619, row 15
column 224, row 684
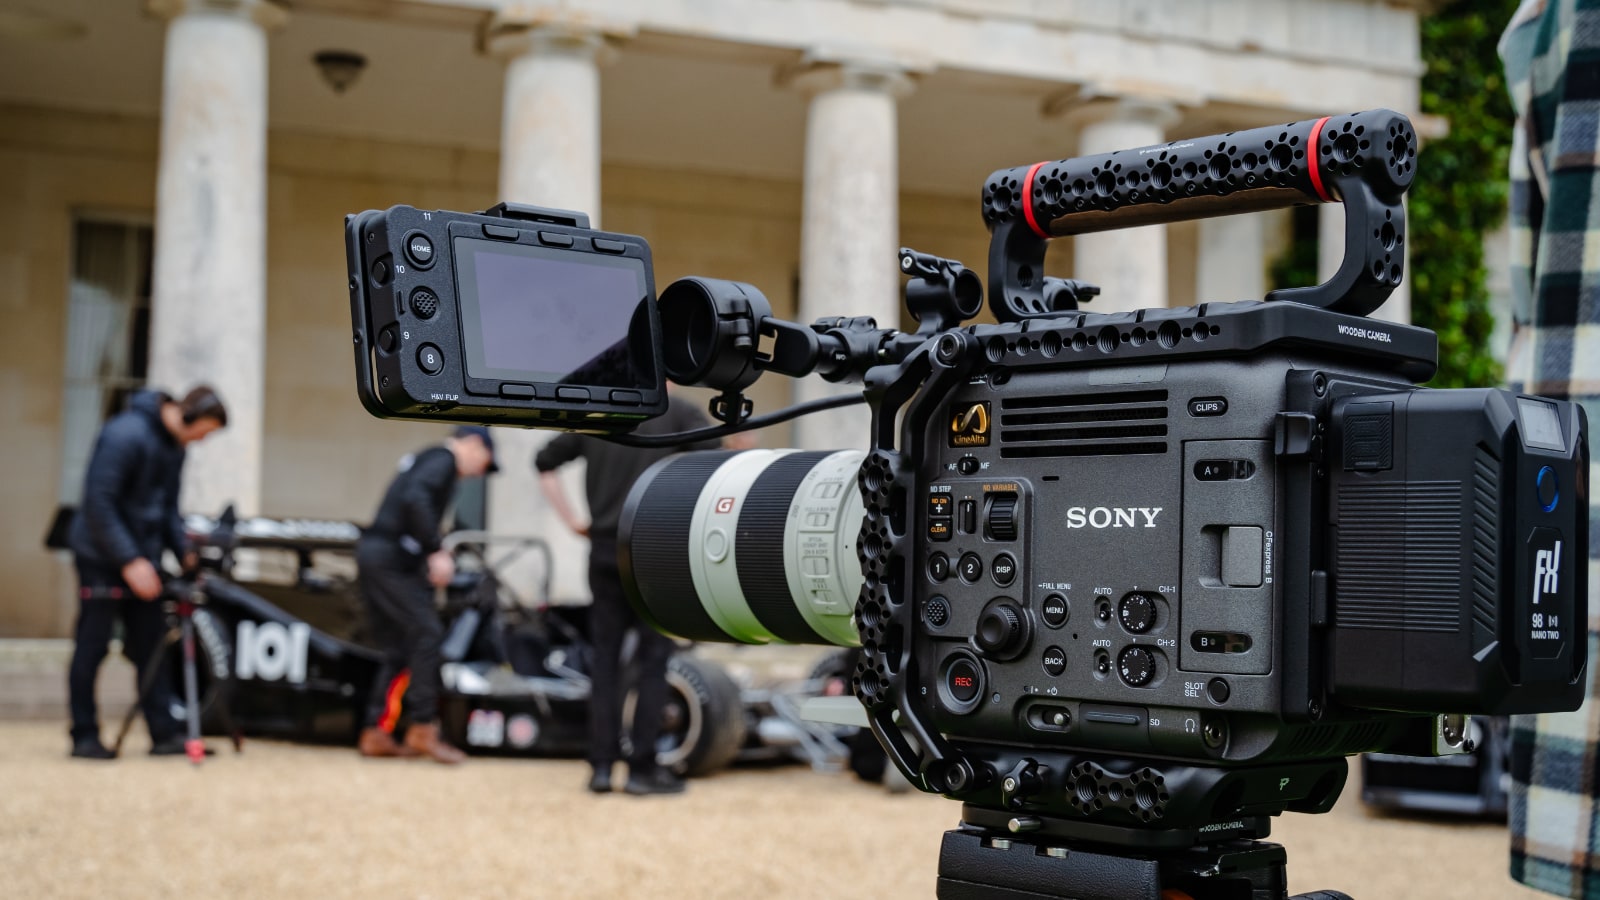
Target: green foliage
column 1297, row 265
column 1462, row 187
column 1460, row 193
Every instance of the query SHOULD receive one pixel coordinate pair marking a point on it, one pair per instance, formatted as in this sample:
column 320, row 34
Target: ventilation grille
column 1485, row 542
column 1399, row 559
column 1334, row 739
column 1111, row 424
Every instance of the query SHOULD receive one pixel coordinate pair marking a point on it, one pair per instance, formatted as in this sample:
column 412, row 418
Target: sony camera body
column 1137, row 578
column 1243, row 554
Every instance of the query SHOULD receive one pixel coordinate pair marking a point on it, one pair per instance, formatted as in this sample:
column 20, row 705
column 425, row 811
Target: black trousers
column 407, row 630
column 103, row 598
column 610, row 620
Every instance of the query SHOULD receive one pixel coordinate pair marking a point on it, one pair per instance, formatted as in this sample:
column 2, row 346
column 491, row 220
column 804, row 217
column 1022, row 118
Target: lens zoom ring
column 760, row 545
column 658, row 546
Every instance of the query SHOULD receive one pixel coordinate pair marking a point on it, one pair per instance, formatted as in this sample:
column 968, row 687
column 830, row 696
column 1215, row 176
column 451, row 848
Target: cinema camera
column 1126, row 585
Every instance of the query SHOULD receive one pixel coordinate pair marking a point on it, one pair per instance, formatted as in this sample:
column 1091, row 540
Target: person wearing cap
column 399, row 562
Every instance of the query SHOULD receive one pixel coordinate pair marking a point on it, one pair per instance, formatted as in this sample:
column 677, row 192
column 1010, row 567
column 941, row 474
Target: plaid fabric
column 1552, row 55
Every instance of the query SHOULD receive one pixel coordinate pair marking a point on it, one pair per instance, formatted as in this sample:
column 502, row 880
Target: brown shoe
column 425, row 739
column 375, row 742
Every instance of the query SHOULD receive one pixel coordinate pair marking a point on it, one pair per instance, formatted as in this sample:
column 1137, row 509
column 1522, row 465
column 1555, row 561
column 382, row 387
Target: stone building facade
column 175, row 174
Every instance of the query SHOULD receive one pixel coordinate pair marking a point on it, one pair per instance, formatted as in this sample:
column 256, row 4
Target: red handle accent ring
column 1027, row 202
column 1315, row 169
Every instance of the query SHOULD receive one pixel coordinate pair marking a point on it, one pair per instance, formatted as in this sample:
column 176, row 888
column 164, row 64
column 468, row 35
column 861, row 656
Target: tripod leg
column 194, row 747
column 152, row 672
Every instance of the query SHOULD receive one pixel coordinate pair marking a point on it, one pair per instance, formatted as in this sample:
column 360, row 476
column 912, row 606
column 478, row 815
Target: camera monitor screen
column 536, row 314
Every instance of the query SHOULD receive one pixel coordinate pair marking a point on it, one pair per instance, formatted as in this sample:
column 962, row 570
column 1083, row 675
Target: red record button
column 963, row 680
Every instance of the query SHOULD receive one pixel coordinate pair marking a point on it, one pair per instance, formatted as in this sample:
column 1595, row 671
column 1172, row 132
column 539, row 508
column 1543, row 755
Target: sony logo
column 1112, row 517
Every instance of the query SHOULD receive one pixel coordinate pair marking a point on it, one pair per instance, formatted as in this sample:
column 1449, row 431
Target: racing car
column 282, row 652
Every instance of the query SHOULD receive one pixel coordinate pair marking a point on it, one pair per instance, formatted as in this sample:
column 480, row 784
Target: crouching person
column 400, row 562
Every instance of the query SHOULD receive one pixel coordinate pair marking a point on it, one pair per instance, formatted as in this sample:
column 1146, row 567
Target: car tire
column 703, row 724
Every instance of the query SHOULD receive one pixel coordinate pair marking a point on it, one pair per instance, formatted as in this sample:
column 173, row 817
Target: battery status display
column 1541, row 427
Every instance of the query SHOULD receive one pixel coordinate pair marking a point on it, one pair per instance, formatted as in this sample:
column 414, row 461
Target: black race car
column 282, row 652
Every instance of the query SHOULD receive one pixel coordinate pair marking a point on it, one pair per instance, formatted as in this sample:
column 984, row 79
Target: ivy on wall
column 1459, row 195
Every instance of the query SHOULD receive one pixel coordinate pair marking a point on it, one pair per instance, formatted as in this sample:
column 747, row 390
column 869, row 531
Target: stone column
column 1129, row 264
column 850, row 221
column 1231, row 263
column 549, row 156
column 1330, row 252
column 208, row 312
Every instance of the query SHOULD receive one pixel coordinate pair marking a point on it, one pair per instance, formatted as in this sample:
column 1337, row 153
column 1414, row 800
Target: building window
column 108, row 334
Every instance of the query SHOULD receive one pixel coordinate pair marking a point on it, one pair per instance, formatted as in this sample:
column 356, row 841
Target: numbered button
column 430, row 359
column 970, row 568
column 938, row 567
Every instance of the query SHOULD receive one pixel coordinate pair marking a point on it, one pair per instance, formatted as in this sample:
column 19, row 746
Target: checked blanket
column 1551, row 52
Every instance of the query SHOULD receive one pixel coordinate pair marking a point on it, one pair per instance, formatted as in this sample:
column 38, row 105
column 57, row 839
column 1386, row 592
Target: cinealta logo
column 969, row 427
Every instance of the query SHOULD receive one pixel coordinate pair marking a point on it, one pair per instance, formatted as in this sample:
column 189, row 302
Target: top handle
column 1365, row 160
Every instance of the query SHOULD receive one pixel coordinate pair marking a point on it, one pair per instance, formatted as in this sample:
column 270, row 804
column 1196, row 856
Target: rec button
column 963, row 680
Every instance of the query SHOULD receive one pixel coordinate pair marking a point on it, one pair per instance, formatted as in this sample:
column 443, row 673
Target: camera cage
column 1364, row 161
column 1181, row 821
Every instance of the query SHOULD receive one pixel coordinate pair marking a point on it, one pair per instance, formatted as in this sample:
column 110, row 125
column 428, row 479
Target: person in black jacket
column 128, row 517
column 612, row 471
column 398, row 558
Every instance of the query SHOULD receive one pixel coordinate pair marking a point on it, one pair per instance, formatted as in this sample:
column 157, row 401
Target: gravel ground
column 287, row 821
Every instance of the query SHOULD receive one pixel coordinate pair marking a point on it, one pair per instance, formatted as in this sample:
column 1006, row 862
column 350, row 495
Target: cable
column 717, row 431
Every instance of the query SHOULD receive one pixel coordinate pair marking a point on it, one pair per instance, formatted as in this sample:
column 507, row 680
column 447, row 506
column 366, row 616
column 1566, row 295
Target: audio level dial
column 1137, row 612
column 1137, row 666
